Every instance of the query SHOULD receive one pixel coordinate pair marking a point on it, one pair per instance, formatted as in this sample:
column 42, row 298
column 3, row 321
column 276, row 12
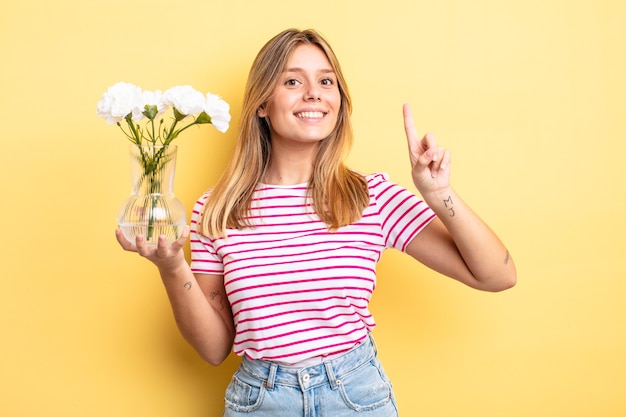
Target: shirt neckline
column 265, row 185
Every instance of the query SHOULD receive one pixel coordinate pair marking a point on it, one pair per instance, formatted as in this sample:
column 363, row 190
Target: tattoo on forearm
column 507, row 257
column 187, row 285
column 217, row 297
column 449, row 205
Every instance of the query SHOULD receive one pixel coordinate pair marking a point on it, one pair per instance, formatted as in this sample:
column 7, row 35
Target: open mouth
column 310, row 115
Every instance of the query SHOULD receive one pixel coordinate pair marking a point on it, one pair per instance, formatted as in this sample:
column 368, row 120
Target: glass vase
column 152, row 209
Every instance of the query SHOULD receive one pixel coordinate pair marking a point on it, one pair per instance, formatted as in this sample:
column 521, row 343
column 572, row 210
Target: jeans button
column 306, row 377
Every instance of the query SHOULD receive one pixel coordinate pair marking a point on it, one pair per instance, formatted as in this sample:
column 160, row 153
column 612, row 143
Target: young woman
column 284, row 248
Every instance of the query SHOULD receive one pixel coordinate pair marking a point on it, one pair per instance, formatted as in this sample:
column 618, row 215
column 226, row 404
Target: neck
column 288, row 174
column 290, row 168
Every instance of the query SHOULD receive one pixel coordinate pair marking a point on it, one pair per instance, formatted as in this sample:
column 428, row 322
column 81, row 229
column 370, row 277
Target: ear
column 261, row 112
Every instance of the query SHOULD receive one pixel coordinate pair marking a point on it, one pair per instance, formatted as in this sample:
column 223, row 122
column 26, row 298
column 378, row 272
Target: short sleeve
column 402, row 214
column 204, row 257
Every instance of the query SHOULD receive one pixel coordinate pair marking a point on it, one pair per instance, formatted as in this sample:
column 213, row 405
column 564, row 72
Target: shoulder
column 376, row 178
column 379, row 184
column 200, row 205
column 201, row 201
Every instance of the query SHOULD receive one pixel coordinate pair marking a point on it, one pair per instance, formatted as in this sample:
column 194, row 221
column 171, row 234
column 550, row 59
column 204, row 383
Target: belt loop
column 271, row 377
column 334, row 383
column 374, row 347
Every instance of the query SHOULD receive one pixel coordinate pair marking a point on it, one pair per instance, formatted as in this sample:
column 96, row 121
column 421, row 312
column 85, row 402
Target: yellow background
column 529, row 96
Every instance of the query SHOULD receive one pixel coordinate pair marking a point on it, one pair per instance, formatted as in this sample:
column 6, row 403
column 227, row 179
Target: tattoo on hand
column 449, row 205
column 187, row 285
column 218, row 298
column 507, row 257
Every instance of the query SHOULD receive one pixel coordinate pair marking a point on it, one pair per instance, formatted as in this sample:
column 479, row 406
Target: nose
column 313, row 92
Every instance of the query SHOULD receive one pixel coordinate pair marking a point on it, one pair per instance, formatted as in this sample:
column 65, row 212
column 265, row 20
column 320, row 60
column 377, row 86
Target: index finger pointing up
column 411, row 133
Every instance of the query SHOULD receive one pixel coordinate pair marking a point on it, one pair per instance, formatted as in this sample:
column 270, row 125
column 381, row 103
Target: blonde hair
column 338, row 194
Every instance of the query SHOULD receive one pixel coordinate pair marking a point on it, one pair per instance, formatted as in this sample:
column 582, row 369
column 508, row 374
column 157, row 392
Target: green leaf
column 178, row 115
column 150, row 111
column 203, row 118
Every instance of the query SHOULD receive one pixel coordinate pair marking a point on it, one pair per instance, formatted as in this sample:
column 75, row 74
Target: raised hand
column 430, row 163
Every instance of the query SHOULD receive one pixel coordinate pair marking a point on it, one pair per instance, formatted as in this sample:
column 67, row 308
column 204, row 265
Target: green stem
column 170, row 136
column 175, row 134
column 153, row 132
column 133, row 129
column 153, row 200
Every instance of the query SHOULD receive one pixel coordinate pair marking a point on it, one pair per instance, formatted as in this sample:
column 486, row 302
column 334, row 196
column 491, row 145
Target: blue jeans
column 351, row 384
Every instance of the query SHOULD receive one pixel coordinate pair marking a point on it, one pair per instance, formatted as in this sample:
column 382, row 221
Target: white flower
column 118, row 101
column 185, row 99
column 218, row 109
column 154, row 98
column 144, row 112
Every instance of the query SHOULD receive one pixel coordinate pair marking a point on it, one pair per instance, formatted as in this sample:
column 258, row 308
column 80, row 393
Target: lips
column 310, row 115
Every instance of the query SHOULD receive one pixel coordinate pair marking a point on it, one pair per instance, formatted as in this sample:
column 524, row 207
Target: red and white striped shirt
column 297, row 290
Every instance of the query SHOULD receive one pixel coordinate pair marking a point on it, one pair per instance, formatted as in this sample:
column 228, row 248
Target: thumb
column 429, row 148
column 429, row 156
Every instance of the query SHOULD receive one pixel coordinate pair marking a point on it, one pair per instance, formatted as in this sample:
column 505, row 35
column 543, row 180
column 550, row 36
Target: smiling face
column 304, row 106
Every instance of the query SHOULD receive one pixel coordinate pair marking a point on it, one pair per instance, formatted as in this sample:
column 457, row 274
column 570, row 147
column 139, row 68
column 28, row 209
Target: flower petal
column 185, row 99
column 118, row 101
column 218, row 110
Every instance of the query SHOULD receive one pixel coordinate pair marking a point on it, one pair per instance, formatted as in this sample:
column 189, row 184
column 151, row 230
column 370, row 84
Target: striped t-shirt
column 297, row 290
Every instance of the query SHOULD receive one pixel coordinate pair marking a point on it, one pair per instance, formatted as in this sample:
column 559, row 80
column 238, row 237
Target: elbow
column 215, row 354
column 215, row 361
column 214, row 358
column 512, row 281
column 504, row 279
column 502, row 283
column 212, row 353
column 212, row 347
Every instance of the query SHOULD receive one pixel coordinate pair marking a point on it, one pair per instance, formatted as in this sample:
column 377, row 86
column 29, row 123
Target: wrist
column 443, row 202
column 438, row 197
column 173, row 267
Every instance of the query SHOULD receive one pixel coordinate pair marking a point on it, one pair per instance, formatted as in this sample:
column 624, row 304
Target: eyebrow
column 298, row 69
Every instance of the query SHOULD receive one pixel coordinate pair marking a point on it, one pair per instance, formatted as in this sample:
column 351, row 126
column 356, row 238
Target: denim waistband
column 330, row 371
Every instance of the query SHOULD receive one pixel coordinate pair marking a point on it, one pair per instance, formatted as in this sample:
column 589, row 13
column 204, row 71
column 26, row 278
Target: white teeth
column 310, row 115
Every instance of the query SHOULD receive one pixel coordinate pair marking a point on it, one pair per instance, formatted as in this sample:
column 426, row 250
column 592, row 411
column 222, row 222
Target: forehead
column 308, row 56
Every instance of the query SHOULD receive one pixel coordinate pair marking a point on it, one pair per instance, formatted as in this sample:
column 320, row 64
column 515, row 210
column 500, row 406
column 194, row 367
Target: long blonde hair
column 338, row 194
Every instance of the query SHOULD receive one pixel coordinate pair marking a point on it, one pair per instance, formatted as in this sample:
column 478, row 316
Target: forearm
column 485, row 256
column 204, row 320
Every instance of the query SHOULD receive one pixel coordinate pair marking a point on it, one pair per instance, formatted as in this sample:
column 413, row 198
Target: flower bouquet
column 152, row 209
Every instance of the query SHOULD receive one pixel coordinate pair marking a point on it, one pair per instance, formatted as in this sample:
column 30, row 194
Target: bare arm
column 199, row 303
column 463, row 247
column 458, row 243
